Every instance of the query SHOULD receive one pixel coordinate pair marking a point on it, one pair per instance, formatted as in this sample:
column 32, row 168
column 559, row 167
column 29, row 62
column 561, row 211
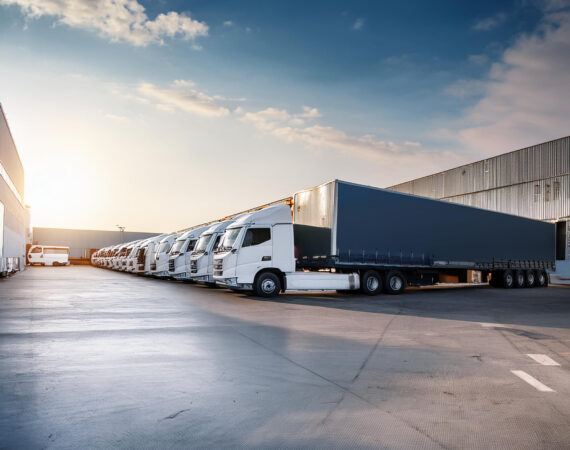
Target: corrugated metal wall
column 532, row 182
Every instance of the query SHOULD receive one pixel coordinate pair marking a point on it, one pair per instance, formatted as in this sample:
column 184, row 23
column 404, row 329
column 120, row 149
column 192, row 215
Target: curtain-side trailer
column 347, row 236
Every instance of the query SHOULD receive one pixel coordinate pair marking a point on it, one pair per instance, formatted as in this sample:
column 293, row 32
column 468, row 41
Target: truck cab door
column 255, row 253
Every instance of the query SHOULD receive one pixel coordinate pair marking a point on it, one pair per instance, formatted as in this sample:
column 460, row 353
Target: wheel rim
column 541, row 279
column 520, row 279
column 268, row 286
column 530, row 278
column 396, row 283
column 372, row 283
column 509, row 280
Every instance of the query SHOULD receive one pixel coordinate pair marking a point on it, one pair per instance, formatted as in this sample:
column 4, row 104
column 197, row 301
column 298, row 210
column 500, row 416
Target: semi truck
column 162, row 255
column 179, row 258
column 146, row 254
column 345, row 236
column 202, row 257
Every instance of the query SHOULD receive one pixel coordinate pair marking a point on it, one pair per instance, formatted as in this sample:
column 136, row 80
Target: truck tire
column 530, row 278
column 371, row 283
column 508, row 279
column 541, row 278
column 267, row 285
column 395, row 282
column 520, row 279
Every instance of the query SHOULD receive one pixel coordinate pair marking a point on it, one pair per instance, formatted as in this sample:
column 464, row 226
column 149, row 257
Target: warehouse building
column 82, row 243
column 14, row 214
column 532, row 182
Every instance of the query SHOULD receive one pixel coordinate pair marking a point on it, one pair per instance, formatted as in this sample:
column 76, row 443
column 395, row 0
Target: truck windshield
column 229, row 239
column 164, row 247
column 202, row 243
column 177, row 247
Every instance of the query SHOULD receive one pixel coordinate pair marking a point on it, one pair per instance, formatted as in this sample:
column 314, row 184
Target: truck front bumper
column 232, row 283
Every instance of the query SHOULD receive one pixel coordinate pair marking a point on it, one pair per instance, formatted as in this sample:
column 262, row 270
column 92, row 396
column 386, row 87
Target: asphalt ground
column 91, row 358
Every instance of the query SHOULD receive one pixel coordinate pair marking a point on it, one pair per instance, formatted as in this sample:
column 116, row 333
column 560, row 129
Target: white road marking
column 532, row 381
column 489, row 325
column 542, row 359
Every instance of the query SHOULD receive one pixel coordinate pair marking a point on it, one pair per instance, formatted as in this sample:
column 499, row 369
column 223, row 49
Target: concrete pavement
column 93, row 358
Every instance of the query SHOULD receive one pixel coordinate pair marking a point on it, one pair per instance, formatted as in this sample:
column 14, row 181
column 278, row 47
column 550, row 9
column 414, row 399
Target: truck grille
column 171, row 265
column 218, row 267
column 193, row 266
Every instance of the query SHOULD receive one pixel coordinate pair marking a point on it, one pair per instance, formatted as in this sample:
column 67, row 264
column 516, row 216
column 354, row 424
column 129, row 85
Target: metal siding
column 506, row 182
column 315, row 206
column 373, row 220
column 79, row 240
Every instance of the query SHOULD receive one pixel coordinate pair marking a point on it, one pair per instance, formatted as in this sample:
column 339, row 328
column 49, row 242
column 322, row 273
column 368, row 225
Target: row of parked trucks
column 344, row 236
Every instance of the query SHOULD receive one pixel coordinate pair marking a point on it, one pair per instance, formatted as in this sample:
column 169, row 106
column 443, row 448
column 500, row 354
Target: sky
column 159, row 115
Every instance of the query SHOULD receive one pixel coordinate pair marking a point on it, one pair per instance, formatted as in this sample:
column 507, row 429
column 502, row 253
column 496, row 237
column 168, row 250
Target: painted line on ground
column 545, row 360
column 532, row 381
column 490, row 325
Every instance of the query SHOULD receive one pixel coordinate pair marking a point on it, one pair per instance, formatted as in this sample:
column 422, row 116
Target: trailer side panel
column 394, row 227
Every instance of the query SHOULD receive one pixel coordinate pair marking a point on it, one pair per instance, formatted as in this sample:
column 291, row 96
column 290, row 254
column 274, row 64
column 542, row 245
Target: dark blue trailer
column 406, row 239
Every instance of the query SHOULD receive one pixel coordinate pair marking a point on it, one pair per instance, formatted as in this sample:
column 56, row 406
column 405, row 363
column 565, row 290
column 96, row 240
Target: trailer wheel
column 541, row 278
column 395, row 282
column 519, row 279
column 508, row 279
column 530, row 278
column 267, row 285
column 371, row 283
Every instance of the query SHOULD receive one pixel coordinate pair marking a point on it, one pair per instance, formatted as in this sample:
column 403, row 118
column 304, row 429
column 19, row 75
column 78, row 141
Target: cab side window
column 36, row 250
column 256, row 236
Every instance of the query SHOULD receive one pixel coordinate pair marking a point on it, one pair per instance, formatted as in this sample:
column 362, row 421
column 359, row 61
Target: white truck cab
column 257, row 253
column 48, row 255
column 123, row 265
column 131, row 259
column 202, row 257
column 179, row 258
column 146, row 254
column 162, row 255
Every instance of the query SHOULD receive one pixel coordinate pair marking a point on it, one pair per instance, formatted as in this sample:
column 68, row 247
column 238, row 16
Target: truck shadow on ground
column 548, row 307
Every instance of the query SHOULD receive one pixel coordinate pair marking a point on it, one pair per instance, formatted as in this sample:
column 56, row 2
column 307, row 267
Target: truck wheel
column 530, row 278
column 371, row 283
column 541, row 278
column 508, row 279
column 267, row 285
column 395, row 282
column 519, row 279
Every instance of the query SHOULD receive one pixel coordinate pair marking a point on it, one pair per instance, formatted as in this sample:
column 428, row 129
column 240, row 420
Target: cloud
column 228, row 23
column 188, row 100
column 310, row 113
column 490, row 22
column 267, row 119
column 183, row 83
column 527, row 94
column 478, row 59
column 115, row 20
column 466, row 88
column 290, row 128
column 358, row 24
column 271, row 118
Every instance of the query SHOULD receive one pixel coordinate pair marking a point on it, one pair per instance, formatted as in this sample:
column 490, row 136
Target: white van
column 48, row 255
